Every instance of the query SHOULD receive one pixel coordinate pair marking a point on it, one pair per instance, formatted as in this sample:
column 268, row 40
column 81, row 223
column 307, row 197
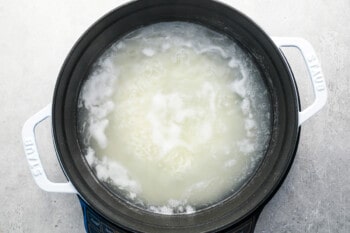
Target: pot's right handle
column 314, row 70
column 31, row 151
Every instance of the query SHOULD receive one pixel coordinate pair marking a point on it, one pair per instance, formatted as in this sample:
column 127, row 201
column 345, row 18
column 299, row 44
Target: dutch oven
column 239, row 212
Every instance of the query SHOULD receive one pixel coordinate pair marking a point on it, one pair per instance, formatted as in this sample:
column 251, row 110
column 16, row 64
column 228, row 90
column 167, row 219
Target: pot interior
column 174, row 118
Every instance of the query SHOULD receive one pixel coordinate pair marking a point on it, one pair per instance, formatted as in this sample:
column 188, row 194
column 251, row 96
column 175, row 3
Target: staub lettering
column 316, row 74
column 32, row 156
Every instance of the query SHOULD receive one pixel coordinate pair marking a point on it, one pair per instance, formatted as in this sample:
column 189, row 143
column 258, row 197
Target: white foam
column 148, row 52
column 238, row 86
column 107, row 169
column 189, row 210
column 97, row 131
column 90, row 156
column 230, row 163
column 233, row 63
column 214, row 49
column 246, row 146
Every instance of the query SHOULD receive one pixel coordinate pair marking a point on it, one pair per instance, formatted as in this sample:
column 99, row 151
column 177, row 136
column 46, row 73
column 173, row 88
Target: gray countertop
column 36, row 36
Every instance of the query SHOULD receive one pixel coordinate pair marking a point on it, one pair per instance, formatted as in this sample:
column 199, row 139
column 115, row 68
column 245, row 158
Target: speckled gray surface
column 36, row 36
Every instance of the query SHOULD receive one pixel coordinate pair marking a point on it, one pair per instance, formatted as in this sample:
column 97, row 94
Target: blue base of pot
column 94, row 222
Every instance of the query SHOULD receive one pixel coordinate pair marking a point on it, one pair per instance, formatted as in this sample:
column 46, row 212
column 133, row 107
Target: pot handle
column 314, row 71
column 31, row 152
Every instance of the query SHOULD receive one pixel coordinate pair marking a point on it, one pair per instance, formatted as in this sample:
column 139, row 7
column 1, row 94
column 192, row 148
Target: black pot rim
column 219, row 17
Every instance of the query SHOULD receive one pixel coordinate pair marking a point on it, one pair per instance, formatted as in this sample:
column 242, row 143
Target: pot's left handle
column 31, row 152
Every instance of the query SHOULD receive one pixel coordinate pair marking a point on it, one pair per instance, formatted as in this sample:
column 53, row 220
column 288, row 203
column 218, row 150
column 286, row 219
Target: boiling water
column 174, row 117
